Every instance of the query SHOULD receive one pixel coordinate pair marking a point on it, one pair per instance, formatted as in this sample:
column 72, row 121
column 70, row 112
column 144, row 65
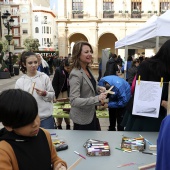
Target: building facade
column 44, row 28
column 103, row 22
column 32, row 18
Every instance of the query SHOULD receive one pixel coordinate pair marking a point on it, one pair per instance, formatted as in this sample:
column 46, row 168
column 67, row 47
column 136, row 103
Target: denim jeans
column 48, row 123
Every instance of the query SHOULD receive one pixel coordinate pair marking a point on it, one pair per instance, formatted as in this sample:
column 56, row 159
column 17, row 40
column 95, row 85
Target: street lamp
column 8, row 23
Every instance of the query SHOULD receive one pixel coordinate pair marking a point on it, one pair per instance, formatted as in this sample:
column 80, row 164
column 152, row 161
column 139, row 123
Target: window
column 36, row 30
column 24, row 20
column 77, row 8
column 16, row 42
column 44, row 40
column 136, row 8
column 14, row 10
column 16, row 21
column 45, row 19
column 108, row 9
column 47, row 30
column 24, row 10
column 16, row 31
column 77, row 5
column 36, row 18
column 25, row 31
column 6, row 1
column 164, row 5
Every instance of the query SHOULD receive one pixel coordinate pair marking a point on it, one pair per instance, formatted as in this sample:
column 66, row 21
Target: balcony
column 136, row 14
column 15, row 3
column 77, row 14
column 108, row 14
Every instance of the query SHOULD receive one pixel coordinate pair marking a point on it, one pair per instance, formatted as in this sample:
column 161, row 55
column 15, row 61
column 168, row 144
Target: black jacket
column 59, row 80
column 111, row 67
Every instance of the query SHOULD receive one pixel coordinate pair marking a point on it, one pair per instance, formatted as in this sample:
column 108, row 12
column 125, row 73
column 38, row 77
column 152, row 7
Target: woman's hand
column 60, row 167
column 105, row 105
column 102, row 96
column 164, row 103
column 40, row 92
column 102, row 89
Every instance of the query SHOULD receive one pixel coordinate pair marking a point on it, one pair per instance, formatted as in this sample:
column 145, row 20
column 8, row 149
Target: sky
column 54, row 2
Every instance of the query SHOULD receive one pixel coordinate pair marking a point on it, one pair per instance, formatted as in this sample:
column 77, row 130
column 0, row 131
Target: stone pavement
column 10, row 83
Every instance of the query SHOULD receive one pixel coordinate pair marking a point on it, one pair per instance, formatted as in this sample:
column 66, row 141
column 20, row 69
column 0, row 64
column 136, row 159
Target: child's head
column 107, row 85
column 66, row 64
column 29, row 62
column 18, row 108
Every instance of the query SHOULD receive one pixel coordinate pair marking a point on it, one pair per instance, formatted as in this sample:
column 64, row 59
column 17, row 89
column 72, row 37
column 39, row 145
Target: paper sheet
column 147, row 98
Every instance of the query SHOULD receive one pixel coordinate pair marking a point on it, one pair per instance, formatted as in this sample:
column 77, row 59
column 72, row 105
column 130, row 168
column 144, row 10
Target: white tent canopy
column 152, row 34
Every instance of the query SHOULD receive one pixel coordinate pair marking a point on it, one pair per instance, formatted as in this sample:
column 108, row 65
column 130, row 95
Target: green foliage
column 4, row 67
column 15, row 59
column 31, row 44
column 4, row 45
column 1, row 47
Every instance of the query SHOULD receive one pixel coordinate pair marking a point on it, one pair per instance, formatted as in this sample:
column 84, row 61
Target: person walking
column 111, row 65
column 42, row 64
column 39, row 85
column 133, row 70
column 83, row 89
column 60, row 84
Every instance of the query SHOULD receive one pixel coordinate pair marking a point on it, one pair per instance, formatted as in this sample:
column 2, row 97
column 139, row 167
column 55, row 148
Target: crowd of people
column 30, row 104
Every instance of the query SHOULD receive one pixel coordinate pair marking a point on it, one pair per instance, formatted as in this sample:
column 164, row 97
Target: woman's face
column 31, row 65
column 86, row 55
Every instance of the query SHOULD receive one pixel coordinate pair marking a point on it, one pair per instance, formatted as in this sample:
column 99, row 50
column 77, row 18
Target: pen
column 79, row 155
column 128, row 164
column 148, row 141
column 53, row 134
column 141, row 136
column 150, row 153
column 119, row 149
column 124, row 150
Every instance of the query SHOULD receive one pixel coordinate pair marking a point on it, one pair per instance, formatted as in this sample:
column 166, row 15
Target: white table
column 76, row 139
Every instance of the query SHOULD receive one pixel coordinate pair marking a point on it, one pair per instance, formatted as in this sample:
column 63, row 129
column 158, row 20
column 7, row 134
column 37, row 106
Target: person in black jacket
column 111, row 65
column 61, row 87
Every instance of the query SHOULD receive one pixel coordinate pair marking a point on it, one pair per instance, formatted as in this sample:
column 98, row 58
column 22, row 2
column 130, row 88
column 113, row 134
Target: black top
column 93, row 81
column 111, row 67
column 31, row 152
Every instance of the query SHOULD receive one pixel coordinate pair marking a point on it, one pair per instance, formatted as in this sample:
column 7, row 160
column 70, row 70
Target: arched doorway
column 106, row 40
column 76, row 37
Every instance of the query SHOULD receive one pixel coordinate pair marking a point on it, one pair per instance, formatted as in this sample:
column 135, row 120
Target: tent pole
column 126, row 57
column 157, row 44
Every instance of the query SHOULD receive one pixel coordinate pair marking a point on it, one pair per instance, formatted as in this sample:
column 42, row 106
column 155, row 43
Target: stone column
column 94, row 42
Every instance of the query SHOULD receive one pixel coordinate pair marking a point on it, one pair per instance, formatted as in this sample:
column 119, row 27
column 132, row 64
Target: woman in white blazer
column 83, row 89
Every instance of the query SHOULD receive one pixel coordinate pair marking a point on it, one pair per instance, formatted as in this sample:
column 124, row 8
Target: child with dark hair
column 23, row 144
column 61, row 87
column 39, row 85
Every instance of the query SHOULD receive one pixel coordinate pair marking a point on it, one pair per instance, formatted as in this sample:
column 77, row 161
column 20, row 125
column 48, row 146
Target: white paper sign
column 147, row 98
